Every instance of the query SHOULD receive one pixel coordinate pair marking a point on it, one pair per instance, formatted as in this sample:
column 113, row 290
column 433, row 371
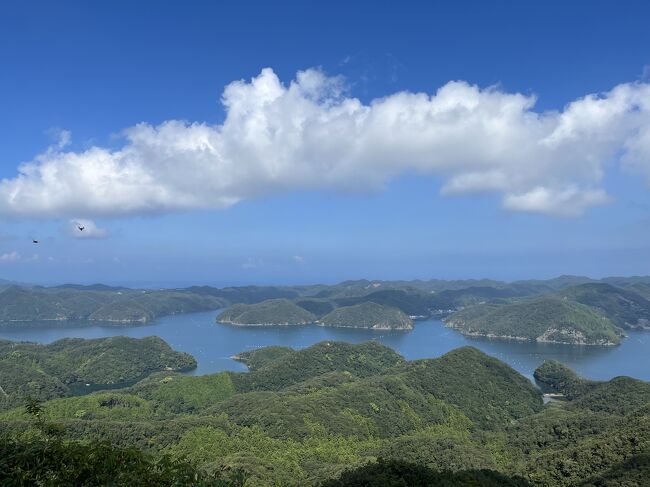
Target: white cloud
column 15, row 256
column 569, row 202
column 90, row 229
column 10, row 257
column 309, row 135
column 299, row 259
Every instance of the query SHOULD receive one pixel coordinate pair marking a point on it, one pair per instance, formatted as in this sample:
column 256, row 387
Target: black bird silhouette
column 34, row 241
column 81, row 229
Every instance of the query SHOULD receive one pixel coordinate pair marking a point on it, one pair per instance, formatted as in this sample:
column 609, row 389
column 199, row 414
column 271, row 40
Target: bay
column 213, row 344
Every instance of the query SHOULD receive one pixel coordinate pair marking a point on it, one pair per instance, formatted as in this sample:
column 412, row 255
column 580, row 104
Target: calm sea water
column 213, row 344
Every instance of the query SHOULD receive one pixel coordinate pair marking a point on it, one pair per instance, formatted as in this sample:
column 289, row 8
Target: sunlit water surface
column 213, row 344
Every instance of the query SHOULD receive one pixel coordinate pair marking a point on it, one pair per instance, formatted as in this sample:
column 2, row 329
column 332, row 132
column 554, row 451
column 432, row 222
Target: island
column 368, row 315
column 546, row 319
column 284, row 312
column 269, row 312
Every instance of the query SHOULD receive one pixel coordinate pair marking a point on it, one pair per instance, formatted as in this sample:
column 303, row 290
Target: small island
column 267, row 313
column 547, row 319
column 368, row 315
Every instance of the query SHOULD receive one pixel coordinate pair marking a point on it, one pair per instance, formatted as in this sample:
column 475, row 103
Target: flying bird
column 81, row 229
column 34, row 241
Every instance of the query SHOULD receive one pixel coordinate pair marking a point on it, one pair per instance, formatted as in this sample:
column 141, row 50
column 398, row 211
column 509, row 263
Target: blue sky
column 77, row 77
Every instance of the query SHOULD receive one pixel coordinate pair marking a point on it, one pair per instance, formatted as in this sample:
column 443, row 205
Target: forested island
column 367, row 314
column 547, row 319
column 269, row 312
column 333, row 414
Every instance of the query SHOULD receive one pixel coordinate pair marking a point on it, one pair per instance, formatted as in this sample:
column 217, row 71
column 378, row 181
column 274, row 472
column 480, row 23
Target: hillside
column 269, row 312
column 411, row 301
column 626, row 301
column 368, row 315
column 624, row 307
column 620, row 395
column 97, row 303
column 303, row 417
column 547, row 319
column 255, row 359
column 285, row 367
column 54, row 370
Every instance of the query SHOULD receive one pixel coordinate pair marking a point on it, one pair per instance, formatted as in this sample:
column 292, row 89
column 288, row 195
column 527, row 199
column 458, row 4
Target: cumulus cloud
column 90, row 229
column 308, row 134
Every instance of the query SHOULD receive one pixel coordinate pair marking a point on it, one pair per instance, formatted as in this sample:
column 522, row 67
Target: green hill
column 620, row 395
column 54, row 370
column 291, row 367
column 485, row 389
column 547, row 319
column 269, row 312
column 303, row 417
column 317, row 306
column 368, row 315
column 97, row 303
column 624, row 307
column 255, row 359
column 411, row 301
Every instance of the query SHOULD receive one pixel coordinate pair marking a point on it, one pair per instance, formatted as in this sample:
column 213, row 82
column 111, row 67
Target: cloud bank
column 309, row 134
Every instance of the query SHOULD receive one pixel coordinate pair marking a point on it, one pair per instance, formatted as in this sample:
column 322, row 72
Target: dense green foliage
column 623, row 307
column 556, row 377
column 42, row 462
column 620, row 396
column 246, row 294
column 411, row 301
column 18, row 304
column 50, row 371
column 269, row 312
column 254, row 359
column 287, row 369
column 485, row 389
column 394, row 473
column 316, row 306
column 368, row 315
column 544, row 319
column 316, row 410
column 328, row 412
